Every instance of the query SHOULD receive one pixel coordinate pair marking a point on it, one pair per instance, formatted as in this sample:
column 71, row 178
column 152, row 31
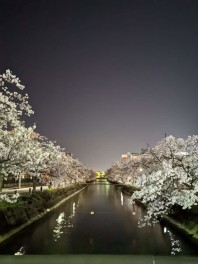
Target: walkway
column 22, row 190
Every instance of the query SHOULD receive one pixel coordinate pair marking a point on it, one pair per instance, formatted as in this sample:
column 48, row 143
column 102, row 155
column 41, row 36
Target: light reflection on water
column 98, row 220
column 121, row 200
column 21, row 251
column 176, row 246
column 64, row 223
column 138, row 212
column 61, row 224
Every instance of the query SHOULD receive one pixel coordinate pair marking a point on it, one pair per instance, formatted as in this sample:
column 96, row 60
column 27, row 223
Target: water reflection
column 175, row 243
column 21, row 251
column 61, row 223
column 74, row 209
column 64, row 223
column 122, row 202
column 174, row 246
column 111, row 229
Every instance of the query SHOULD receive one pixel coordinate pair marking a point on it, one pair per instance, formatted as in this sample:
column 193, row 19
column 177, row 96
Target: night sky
column 105, row 77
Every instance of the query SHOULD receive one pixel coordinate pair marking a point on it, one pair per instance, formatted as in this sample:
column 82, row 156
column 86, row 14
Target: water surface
column 98, row 220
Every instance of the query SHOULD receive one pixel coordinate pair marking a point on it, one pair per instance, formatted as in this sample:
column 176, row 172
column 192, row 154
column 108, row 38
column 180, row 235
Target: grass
column 4, row 204
column 42, row 199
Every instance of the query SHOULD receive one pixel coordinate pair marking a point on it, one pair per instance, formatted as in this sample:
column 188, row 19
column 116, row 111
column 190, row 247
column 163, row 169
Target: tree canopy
column 23, row 150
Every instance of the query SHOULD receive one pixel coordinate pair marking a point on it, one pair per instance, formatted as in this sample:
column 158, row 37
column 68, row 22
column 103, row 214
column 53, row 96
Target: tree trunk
column 19, row 183
column 34, row 183
column 1, row 182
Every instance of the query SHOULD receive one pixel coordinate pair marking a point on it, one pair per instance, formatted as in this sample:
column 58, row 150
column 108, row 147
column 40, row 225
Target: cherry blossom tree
column 13, row 134
column 59, row 166
column 124, row 172
column 9, row 199
column 13, row 151
column 37, row 158
column 13, row 104
column 166, row 177
column 171, row 178
column 44, row 156
column 69, row 170
column 22, row 150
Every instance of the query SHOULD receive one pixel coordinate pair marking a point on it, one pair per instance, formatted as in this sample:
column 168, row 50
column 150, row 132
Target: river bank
column 97, row 220
column 185, row 221
column 31, row 208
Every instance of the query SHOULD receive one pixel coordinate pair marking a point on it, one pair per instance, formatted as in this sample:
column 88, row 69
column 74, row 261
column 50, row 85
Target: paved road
column 22, row 190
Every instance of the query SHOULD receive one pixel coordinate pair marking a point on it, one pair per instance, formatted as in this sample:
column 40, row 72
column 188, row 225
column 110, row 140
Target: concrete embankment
column 30, row 209
column 185, row 226
column 185, row 221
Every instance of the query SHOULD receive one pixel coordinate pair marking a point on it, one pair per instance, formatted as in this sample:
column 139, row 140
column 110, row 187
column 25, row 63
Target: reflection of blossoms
column 175, row 243
column 74, row 209
column 21, row 251
column 61, row 222
column 9, row 199
column 64, row 224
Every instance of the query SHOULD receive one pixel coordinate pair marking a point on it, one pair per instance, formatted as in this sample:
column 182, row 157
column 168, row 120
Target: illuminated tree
column 124, row 172
column 172, row 178
column 24, row 151
column 13, row 105
column 167, row 176
column 13, row 151
column 13, row 134
column 67, row 170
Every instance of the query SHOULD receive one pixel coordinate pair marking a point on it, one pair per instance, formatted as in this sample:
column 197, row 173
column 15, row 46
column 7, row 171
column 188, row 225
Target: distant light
column 140, row 169
column 165, row 229
column 124, row 157
column 92, row 213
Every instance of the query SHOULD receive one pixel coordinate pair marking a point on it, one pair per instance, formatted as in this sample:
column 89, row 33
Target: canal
column 98, row 220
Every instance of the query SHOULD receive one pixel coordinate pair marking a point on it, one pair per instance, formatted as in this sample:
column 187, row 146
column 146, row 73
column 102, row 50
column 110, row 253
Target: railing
column 100, row 259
